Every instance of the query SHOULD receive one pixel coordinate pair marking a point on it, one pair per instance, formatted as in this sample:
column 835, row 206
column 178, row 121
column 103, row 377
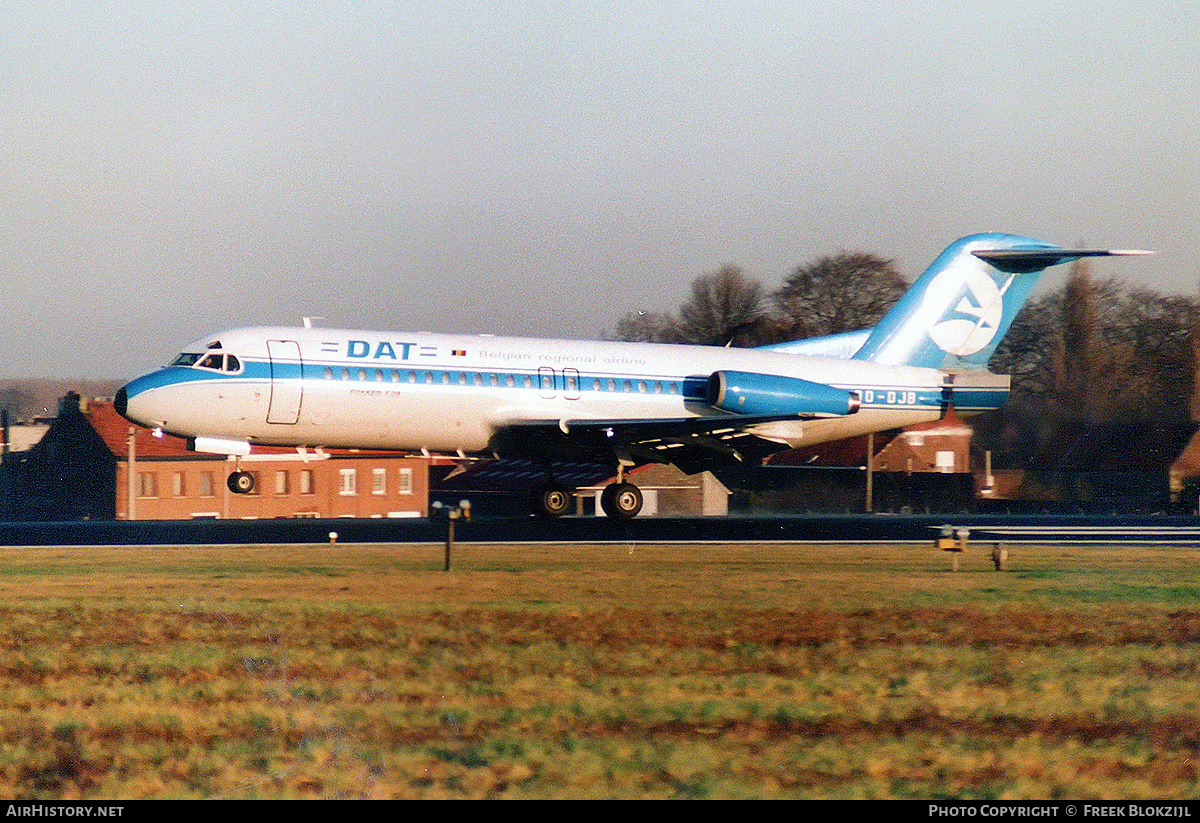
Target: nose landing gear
column 240, row 482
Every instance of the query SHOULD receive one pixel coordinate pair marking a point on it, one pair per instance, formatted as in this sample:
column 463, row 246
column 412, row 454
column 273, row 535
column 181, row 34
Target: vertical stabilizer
column 959, row 310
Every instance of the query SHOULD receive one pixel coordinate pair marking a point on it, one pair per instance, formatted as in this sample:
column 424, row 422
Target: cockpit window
column 216, row 362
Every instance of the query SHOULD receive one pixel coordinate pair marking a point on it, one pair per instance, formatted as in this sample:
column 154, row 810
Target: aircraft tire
column 240, row 482
column 621, row 500
column 550, row 500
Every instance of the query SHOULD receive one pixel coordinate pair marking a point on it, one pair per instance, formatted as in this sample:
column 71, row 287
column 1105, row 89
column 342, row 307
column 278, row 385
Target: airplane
column 622, row 404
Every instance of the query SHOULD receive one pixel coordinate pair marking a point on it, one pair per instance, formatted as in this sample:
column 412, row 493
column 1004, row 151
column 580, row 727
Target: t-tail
column 959, row 310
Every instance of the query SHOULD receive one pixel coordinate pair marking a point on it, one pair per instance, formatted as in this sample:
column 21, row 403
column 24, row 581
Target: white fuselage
column 450, row 393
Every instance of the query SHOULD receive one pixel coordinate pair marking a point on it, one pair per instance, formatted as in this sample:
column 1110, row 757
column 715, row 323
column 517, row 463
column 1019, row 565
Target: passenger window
column 328, row 373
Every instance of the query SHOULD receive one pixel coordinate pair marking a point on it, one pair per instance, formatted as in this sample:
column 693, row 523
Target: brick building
column 92, row 463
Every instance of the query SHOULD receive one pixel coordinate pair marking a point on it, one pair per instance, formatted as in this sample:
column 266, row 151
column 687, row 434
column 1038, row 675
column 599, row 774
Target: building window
column 378, row 481
column 206, row 484
column 348, row 482
column 283, row 483
column 306, row 481
column 179, row 484
column 147, row 484
column 406, row 482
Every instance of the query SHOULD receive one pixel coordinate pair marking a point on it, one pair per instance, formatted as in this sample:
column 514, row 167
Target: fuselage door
column 571, row 385
column 547, row 382
column 287, row 386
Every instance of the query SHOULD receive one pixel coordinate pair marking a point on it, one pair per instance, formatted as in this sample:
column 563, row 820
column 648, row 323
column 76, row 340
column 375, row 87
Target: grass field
column 611, row 671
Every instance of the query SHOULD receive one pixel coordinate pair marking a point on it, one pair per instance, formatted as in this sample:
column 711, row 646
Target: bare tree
column 646, row 327
column 839, row 293
column 725, row 307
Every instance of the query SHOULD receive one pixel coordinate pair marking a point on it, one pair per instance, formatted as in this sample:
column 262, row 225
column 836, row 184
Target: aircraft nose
column 132, row 403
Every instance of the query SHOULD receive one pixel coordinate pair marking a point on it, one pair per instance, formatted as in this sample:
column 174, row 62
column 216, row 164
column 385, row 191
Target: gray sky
column 173, row 168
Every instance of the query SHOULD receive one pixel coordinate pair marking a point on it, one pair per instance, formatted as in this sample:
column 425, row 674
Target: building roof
column 114, row 431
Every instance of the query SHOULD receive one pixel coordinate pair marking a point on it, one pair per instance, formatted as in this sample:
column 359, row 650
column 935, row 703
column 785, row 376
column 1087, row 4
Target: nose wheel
column 240, row 482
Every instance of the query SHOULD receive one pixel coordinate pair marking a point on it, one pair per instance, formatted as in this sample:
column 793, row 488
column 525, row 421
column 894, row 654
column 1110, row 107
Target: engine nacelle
column 752, row 393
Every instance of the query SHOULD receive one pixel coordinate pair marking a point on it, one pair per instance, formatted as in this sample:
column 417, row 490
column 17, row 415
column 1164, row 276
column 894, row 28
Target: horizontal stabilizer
column 1019, row 260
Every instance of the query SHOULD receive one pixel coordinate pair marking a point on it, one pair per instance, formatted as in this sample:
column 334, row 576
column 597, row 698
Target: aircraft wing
column 691, row 443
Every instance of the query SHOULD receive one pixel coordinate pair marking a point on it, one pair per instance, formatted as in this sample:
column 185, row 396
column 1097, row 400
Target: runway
column 816, row 528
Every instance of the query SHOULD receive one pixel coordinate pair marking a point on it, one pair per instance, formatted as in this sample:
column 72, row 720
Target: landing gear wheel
column 550, row 500
column 623, row 500
column 240, row 482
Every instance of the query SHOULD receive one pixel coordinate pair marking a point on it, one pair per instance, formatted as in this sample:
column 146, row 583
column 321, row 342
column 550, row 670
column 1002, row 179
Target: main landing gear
column 621, row 500
column 550, row 499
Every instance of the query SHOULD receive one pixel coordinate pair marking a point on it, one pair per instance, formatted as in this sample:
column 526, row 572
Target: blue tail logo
column 959, row 310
